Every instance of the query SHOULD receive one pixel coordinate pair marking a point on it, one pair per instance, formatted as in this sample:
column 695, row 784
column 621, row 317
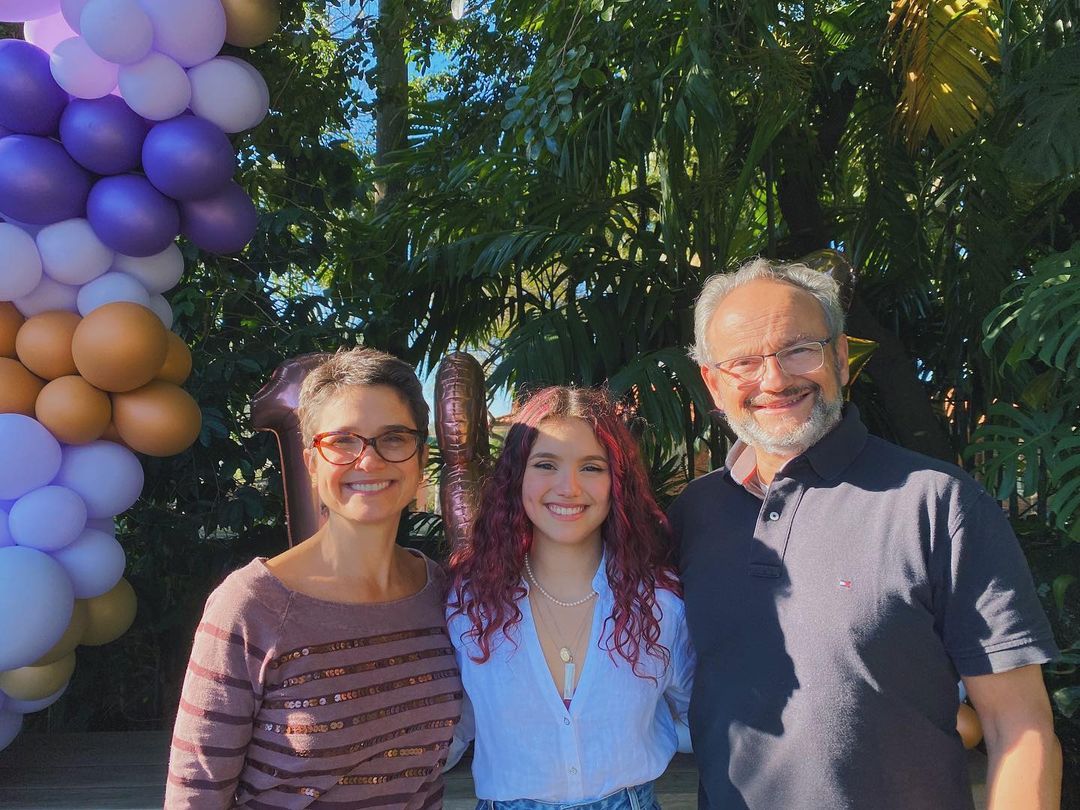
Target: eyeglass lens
column 801, row 359
column 346, row 448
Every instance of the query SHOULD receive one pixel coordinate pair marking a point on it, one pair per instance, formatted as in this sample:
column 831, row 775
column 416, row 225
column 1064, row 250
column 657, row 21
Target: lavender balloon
column 188, row 158
column 107, row 476
column 95, row 563
column 103, row 134
column 36, row 602
column 22, row 10
column 48, row 518
column 31, row 454
column 39, row 183
column 48, row 32
column 222, row 223
column 131, row 216
column 30, row 99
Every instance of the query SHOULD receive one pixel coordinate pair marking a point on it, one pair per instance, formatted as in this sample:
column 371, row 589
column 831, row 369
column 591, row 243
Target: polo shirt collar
column 829, row 457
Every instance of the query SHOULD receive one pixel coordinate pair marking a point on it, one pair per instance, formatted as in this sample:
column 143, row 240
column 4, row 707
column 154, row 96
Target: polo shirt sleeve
column 986, row 606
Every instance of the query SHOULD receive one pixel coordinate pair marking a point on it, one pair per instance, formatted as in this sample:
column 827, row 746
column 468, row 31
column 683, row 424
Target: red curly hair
column 486, row 569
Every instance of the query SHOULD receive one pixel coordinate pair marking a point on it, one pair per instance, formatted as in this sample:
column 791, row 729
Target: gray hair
column 820, row 285
column 360, row 366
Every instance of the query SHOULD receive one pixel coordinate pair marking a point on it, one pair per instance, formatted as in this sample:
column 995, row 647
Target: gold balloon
column 37, row 682
column 109, row 615
column 249, row 23
column 73, row 410
column 44, row 344
column 10, row 321
column 72, row 637
column 159, row 419
column 120, row 346
column 18, row 387
column 177, row 365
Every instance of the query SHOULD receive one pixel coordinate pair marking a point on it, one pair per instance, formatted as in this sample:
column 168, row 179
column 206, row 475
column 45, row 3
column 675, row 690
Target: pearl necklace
column 559, row 602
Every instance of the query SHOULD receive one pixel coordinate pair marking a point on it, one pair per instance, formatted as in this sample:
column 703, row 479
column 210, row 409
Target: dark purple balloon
column 131, row 216
column 39, row 183
column 30, row 99
column 103, row 134
column 4, row 132
column 223, row 223
column 188, row 158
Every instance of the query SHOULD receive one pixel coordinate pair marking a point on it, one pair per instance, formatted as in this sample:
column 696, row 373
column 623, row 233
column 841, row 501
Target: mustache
column 787, row 393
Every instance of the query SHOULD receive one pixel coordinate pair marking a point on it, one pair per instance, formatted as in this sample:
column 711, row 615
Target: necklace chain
column 559, row 602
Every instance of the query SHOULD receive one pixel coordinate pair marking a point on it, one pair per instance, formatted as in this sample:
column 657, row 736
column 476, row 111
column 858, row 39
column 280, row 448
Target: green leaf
column 593, row 77
column 1067, row 700
column 1060, row 587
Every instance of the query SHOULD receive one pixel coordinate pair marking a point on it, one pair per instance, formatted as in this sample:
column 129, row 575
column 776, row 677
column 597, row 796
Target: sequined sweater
column 293, row 702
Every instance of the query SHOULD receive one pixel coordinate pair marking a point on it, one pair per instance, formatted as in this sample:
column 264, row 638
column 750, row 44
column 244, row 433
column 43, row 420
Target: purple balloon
column 103, row 134
column 30, row 99
column 131, row 216
column 188, row 158
column 222, row 223
column 4, row 131
column 39, row 183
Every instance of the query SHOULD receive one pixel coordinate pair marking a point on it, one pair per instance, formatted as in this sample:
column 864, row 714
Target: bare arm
column 1025, row 757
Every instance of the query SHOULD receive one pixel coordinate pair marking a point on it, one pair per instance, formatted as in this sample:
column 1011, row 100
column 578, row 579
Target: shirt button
column 774, row 515
column 573, row 771
column 566, row 721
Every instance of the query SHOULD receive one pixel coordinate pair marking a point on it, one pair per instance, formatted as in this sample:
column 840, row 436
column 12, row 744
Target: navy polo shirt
column 833, row 618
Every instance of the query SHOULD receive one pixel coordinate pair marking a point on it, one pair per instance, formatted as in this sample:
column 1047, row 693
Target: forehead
column 764, row 315
column 364, row 409
column 567, row 437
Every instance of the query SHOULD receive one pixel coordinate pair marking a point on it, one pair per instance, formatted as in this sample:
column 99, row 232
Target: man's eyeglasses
column 342, row 447
column 802, row 358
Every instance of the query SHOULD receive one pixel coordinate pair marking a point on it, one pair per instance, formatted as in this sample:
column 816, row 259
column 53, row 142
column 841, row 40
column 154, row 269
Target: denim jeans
column 640, row 797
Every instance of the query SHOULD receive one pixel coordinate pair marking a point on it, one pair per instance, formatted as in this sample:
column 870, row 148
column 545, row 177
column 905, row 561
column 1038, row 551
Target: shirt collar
column 829, row 457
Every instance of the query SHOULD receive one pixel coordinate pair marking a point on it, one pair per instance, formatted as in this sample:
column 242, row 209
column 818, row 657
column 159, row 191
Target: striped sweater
column 293, row 702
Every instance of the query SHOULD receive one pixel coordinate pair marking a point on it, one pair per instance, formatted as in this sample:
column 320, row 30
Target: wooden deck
column 109, row 771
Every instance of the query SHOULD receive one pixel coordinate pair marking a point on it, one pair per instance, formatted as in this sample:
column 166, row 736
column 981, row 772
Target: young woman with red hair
column 566, row 616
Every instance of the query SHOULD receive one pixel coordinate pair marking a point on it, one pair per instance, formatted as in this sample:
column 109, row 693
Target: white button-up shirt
column 620, row 730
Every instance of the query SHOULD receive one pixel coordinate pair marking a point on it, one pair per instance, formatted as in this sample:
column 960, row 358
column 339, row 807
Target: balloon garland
column 114, row 125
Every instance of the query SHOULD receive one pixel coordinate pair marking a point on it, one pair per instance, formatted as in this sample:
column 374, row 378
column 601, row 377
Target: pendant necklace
column 566, row 654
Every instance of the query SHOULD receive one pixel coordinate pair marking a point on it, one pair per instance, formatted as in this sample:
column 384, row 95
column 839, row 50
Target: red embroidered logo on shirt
column 844, row 584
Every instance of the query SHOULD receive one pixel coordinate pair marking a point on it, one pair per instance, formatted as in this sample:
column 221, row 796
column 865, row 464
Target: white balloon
column 47, row 295
column 48, row 32
column 230, row 93
column 72, row 11
column 190, row 32
column 106, row 475
column 117, row 30
column 36, row 602
column 21, row 262
column 161, row 309
column 156, row 88
column 80, row 71
column 158, row 273
column 94, row 562
column 48, row 518
column 71, row 252
column 110, row 288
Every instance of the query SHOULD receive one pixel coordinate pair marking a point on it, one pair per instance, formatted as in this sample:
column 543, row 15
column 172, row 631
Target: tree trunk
column 902, row 394
column 799, row 184
column 391, row 135
column 391, row 93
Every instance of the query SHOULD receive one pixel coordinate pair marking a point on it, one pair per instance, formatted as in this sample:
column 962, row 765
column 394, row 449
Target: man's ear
column 309, row 460
column 711, row 376
column 842, row 359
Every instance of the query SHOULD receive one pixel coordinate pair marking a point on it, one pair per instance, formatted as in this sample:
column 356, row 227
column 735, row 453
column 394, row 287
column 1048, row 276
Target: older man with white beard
column 837, row 586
